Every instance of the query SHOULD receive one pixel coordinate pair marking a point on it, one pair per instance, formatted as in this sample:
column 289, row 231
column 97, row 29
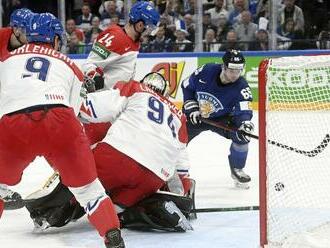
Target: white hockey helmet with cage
column 156, row 82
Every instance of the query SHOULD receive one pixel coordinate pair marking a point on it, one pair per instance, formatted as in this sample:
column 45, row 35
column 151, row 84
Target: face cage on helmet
column 149, row 28
column 146, row 80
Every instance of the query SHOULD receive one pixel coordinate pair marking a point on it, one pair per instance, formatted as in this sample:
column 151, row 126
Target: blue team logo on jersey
column 208, row 104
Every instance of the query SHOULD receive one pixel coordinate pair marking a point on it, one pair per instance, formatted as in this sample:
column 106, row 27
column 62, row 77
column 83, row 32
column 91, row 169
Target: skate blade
column 243, row 186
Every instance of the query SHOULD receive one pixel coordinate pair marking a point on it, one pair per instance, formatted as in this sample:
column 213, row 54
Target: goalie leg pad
column 191, row 194
column 53, row 209
column 159, row 212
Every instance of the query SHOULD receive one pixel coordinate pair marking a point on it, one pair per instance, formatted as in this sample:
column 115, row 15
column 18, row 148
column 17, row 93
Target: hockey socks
column 102, row 215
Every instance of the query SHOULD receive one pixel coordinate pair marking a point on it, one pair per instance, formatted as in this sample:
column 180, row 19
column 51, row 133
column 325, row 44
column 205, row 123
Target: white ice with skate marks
column 214, row 188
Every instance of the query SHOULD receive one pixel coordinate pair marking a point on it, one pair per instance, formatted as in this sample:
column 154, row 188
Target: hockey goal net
column 294, row 111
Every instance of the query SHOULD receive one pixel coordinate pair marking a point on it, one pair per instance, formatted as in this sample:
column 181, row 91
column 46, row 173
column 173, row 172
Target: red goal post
column 294, row 109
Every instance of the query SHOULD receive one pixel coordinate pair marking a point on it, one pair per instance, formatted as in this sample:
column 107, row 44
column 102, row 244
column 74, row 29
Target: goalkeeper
column 140, row 154
column 218, row 92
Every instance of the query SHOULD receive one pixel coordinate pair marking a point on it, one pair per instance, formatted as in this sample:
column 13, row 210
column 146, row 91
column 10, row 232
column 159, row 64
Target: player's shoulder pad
column 129, row 88
column 7, row 31
column 113, row 39
column 35, row 49
column 241, row 81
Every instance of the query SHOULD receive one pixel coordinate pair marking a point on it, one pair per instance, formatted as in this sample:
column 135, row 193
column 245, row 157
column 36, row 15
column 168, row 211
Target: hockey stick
column 324, row 143
column 224, row 209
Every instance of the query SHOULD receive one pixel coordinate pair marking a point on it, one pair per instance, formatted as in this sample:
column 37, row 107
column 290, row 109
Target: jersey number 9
column 38, row 65
column 156, row 114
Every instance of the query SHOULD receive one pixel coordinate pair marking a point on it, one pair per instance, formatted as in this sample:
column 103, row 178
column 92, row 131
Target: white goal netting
column 298, row 183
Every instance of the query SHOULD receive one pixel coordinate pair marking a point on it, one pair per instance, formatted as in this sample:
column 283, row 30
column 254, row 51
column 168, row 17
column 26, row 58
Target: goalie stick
column 324, row 143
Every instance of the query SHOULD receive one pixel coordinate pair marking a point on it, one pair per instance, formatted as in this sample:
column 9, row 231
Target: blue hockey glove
column 246, row 127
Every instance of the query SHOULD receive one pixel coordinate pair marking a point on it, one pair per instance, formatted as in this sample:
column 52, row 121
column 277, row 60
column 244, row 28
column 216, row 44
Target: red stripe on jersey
column 129, row 88
column 183, row 134
column 44, row 49
column 5, row 34
column 115, row 39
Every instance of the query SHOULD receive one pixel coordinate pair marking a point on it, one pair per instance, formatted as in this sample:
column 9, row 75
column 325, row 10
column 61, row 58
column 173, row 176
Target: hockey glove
column 89, row 84
column 240, row 134
column 94, row 80
column 175, row 185
column 191, row 109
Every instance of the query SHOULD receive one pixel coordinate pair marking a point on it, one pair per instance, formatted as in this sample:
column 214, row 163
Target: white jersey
column 38, row 75
column 145, row 126
column 116, row 53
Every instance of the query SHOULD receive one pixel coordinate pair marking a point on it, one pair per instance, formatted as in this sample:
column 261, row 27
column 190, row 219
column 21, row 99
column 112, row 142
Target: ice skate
column 12, row 199
column 113, row 239
column 241, row 179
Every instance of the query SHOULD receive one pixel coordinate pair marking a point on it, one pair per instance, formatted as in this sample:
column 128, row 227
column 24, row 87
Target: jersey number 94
column 156, row 114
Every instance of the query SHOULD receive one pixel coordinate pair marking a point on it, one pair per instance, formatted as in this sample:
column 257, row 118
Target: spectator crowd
column 226, row 24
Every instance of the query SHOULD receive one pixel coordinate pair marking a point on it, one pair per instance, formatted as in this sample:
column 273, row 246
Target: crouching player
column 144, row 150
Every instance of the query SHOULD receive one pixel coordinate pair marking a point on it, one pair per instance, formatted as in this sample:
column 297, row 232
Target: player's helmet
column 143, row 11
column 41, row 29
column 21, row 18
column 57, row 27
column 234, row 59
column 156, row 82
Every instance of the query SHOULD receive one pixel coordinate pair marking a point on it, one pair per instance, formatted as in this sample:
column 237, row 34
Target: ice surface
column 208, row 153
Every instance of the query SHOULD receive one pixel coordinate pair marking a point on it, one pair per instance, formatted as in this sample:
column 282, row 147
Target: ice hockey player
column 133, row 106
column 114, row 55
column 115, row 50
column 13, row 200
column 39, row 99
column 13, row 37
column 145, row 123
column 219, row 92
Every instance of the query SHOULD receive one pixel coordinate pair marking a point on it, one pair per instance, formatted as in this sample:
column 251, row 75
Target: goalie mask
column 156, row 82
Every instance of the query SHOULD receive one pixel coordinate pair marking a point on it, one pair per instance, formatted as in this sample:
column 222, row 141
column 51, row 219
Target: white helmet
column 156, row 82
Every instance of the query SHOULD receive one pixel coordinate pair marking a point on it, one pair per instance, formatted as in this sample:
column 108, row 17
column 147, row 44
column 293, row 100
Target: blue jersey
column 215, row 99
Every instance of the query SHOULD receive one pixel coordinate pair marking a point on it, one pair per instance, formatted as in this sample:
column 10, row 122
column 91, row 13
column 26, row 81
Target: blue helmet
column 143, row 11
column 41, row 29
column 21, row 18
column 56, row 25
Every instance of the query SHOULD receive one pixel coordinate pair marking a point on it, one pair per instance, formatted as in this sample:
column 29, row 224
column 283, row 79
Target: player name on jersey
column 31, row 48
